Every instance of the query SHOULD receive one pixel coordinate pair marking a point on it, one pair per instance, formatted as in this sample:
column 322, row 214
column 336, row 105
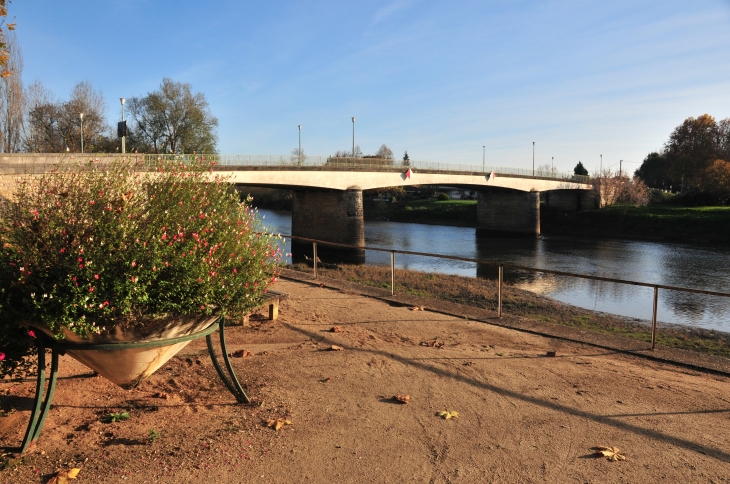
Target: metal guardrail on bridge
column 15, row 160
column 294, row 161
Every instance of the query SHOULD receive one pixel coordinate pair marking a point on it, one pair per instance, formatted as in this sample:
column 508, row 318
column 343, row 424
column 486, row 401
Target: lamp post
column 124, row 150
column 81, row 115
column 620, row 167
column 484, row 157
column 299, row 153
column 601, row 163
column 533, row 158
column 552, row 166
column 353, row 136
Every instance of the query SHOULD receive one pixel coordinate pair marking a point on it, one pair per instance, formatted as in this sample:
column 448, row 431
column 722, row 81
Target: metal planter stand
column 43, row 397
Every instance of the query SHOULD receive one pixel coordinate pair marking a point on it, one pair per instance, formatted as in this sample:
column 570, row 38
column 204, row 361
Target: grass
column 115, row 417
column 482, row 294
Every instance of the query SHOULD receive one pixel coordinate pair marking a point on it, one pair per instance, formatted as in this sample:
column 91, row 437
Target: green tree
column 692, row 147
column 174, row 120
column 655, row 171
column 580, row 169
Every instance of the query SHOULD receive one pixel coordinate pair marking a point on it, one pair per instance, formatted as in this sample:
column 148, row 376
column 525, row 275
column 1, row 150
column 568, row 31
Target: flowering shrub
column 97, row 245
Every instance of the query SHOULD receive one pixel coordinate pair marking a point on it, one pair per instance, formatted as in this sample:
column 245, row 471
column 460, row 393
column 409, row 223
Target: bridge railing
column 369, row 163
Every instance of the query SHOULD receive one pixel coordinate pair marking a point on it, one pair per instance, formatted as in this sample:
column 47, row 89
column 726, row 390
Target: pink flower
column 96, row 276
column 31, row 333
column 2, row 356
column 134, row 264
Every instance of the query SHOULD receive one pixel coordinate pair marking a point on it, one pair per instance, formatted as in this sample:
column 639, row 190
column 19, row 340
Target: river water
column 674, row 264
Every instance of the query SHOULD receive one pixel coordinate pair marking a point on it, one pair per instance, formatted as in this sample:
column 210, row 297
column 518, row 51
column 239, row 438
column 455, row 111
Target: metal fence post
column 392, row 273
column 653, row 318
column 499, row 291
column 314, row 253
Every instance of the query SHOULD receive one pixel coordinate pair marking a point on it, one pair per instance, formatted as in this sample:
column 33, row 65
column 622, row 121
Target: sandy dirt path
column 523, row 416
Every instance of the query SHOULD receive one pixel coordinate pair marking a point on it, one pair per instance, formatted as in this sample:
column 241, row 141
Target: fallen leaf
column 336, row 348
column 336, row 329
column 326, row 380
column 402, row 398
column 278, row 423
column 469, row 363
column 161, row 395
column 446, row 414
column 551, row 353
column 418, row 308
column 611, row 453
column 433, row 344
column 240, row 354
column 62, row 477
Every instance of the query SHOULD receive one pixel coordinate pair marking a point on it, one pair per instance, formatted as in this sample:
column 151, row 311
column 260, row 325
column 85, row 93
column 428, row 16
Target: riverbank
column 461, row 213
column 656, row 222
column 329, row 367
column 481, row 293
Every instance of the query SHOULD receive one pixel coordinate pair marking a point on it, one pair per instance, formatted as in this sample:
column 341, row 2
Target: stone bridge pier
column 508, row 213
column 331, row 215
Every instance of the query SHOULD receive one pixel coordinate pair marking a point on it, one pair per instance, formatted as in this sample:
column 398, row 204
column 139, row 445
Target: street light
column 300, row 144
column 533, row 158
column 124, row 150
column 81, row 115
column 601, row 163
column 353, row 136
column 484, row 157
column 552, row 166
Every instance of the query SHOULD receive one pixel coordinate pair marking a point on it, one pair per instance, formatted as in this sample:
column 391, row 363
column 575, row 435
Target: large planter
column 127, row 356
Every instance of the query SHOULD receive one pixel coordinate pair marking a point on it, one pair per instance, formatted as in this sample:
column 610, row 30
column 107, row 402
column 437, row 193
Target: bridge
column 327, row 192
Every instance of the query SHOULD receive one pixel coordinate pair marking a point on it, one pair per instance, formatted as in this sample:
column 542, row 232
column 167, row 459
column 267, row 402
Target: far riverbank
column 655, row 222
column 685, row 224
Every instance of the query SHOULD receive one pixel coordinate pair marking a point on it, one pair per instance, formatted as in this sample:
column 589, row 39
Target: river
column 674, row 264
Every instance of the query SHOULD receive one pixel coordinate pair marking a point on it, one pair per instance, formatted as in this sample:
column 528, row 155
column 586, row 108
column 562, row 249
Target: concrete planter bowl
column 127, row 356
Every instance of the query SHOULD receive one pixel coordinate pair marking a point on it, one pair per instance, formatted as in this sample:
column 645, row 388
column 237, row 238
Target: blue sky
column 439, row 79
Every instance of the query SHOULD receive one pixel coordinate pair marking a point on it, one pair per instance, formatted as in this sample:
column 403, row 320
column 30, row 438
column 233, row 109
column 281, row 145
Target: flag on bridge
column 409, row 173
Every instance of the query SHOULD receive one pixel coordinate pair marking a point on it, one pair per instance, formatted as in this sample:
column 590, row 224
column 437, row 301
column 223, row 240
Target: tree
column 298, row 156
column 384, row 152
column 55, row 126
column 716, row 181
column 617, row 188
column 406, row 159
column 580, row 169
column 173, row 119
column 655, row 171
column 11, row 98
column 6, row 68
column 544, row 170
column 691, row 147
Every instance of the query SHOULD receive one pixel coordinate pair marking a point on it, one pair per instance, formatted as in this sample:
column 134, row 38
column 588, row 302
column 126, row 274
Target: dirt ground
column 522, row 416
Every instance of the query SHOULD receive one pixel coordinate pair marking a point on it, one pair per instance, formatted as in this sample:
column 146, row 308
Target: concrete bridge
column 327, row 192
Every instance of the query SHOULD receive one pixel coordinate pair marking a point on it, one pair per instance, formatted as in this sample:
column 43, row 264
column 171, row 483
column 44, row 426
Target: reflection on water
column 684, row 265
